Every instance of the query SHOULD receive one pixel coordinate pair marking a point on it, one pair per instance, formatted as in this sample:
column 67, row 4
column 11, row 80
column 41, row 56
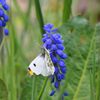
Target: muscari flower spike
column 53, row 42
column 3, row 16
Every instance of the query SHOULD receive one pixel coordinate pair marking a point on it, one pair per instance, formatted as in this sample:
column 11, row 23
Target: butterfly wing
column 49, row 64
column 42, row 64
column 37, row 65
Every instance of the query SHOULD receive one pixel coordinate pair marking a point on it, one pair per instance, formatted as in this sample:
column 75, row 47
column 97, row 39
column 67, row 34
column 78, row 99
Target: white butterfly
column 42, row 64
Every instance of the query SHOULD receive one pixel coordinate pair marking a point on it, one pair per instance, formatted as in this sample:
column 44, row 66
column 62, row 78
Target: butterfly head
column 30, row 72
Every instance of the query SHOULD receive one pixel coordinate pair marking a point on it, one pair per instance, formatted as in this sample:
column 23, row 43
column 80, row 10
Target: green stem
column 27, row 20
column 39, row 15
column 42, row 90
column 66, row 10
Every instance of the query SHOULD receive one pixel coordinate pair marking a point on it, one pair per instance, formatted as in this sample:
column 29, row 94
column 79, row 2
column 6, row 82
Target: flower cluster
column 53, row 42
column 3, row 16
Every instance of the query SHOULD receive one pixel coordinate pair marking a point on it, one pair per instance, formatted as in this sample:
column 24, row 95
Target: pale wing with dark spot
column 49, row 63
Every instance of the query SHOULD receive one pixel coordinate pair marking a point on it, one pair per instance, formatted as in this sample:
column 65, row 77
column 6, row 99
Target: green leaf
column 3, row 91
column 79, row 36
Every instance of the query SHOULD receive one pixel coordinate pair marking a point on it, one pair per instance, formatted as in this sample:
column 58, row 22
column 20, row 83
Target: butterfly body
column 42, row 64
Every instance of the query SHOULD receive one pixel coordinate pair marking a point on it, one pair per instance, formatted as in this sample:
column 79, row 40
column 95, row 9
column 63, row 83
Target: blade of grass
column 27, row 20
column 19, row 10
column 39, row 15
column 10, row 67
column 28, row 14
column 66, row 10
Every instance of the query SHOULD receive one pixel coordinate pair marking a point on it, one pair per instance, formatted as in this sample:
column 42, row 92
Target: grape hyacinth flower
column 53, row 42
column 3, row 16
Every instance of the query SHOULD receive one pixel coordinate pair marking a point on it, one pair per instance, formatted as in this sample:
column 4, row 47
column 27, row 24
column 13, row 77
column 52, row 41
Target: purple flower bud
column 51, row 54
column 53, row 47
column 48, row 27
column 64, row 56
column 63, row 70
column 3, row 23
column 59, row 77
column 44, row 39
column 52, row 93
column 56, row 84
column 48, row 42
column 45, row 35
column 54, row 59
column 55, row 30
column 6, row 18
column 2, row 2
column 62, row 76
column 61, row 63
column 52, row 78
column 0, row 23
column 59, row 41
column 59, row 52
column 65, row 94
column 6, row 7
column 48, row 47
column 6, row 32
column 60, row 46
column 56, row 70
column 1, row 12
column 48, row 30
column 56, row 36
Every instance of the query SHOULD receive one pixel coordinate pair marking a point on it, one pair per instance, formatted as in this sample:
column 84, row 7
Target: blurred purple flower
column 52, row 93
column 3, row 16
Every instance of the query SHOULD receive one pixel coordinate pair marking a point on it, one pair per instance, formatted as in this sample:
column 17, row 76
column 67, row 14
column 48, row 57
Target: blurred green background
column 78, row 23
